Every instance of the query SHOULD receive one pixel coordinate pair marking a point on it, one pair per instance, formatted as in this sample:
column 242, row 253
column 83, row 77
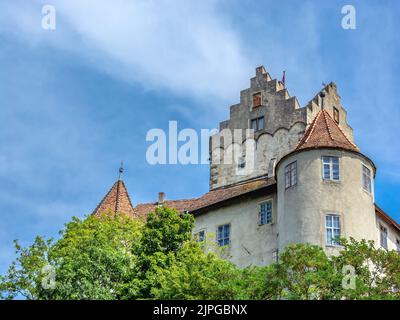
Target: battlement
column 281, row 123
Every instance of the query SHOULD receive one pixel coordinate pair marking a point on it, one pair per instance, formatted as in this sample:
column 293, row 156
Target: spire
column 121, row 170
column 116, row 200
column 325, row 132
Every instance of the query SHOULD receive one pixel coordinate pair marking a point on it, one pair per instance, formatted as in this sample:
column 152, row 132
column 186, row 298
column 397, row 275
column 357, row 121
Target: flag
column 283, row 78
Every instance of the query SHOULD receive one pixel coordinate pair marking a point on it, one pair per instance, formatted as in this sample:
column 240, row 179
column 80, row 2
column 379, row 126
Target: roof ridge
column 341, row 131
column 116, row 200
column 308, row 133
column 327, row 125
column 102, row 200
column 325, row 132
column 117, row 197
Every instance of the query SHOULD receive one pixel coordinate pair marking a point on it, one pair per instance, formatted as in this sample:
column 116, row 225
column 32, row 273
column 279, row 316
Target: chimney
column 161, row 197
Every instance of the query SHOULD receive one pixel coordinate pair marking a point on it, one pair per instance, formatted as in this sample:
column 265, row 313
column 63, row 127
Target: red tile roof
column 214, row 197
column 142, row 209
column 219, row 195
column 116, row 201
column 325, row 132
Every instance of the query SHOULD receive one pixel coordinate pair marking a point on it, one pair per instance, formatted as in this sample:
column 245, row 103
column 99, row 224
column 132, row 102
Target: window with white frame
column 332, row 227
column 265, row 213
column 331, row 168
column 383, row 237
column 366, row 178
column 224, row 235
column 200, row 236
column 291, row 174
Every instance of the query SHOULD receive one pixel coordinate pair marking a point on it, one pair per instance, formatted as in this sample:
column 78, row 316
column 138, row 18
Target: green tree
column 110, row 257
column 93, row 259
column 103, row 257
column 376, row 271
column 194, row 273
column 303, row 272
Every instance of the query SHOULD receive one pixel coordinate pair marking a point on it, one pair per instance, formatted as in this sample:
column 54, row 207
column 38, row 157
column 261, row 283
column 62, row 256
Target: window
column 291, row 174
column 257, row 99
column 332, row 227
column 366, row 179
column 265, row 213
column 331, row 168
column 398, row 245
column 275, row 256
column 223, row 235
column 242, row 162
column 383, row 236
column 200, row 236
column 257, row 124
column 336, row 115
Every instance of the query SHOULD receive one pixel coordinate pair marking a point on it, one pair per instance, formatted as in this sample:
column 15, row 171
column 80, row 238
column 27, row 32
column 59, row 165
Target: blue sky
column 76, row 101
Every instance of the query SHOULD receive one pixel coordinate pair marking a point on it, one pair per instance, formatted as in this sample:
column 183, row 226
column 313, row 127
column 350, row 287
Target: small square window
column 257, row 99
column 336, row 114
column 223, row 235
column 200, row 236
column 265, row 213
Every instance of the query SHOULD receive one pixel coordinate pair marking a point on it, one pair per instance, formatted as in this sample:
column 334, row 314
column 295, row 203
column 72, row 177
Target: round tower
column 325, row 189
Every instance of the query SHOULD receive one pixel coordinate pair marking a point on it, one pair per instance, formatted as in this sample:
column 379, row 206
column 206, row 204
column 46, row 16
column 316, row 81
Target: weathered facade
column 281, row 174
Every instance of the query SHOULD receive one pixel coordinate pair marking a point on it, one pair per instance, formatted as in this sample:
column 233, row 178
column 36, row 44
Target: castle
column 309, row 182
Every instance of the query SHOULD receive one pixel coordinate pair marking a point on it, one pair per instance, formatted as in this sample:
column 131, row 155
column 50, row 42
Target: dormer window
column 257, row 124
column 257, row 99
column 336, row 115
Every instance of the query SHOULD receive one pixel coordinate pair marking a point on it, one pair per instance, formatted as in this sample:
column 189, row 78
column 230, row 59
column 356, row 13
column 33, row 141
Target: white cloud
column 179, row 45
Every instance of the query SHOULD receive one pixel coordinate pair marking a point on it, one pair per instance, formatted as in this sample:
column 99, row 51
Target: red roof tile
column 226, row 193
column 116, row 201
column 210, row 198
column 325, row 132
column 142, row 209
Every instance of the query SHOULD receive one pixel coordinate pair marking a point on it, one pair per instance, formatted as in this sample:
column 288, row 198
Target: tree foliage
column 120, row 258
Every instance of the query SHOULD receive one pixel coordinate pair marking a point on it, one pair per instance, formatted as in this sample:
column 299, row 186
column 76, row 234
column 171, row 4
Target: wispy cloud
column 183, row 46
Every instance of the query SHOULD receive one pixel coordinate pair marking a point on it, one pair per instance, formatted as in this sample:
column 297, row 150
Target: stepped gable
column 325, row 132
column 116, row 201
